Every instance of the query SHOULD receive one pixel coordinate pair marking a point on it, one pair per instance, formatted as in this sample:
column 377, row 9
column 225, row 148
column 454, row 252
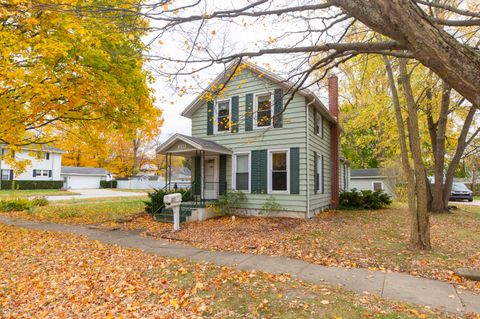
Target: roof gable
column 226, row 76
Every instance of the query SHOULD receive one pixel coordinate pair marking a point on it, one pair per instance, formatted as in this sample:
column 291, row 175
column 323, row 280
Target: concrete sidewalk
column 396, row 286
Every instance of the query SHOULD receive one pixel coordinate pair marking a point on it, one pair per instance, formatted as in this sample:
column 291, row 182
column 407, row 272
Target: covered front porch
column 208, row 165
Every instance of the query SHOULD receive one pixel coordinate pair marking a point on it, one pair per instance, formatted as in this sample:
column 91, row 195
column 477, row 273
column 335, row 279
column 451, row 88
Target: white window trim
column 319, row 173
column 215, row 116
column 320, row 126
column 234, row 171
column 269, row 163
column 255, row 110
column 381, row 183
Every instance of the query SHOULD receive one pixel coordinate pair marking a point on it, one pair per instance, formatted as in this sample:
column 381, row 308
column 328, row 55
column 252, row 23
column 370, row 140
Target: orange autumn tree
column 58, row 69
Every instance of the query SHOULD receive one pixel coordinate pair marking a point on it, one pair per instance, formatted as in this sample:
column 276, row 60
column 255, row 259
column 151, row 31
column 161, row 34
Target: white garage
column 83, row 177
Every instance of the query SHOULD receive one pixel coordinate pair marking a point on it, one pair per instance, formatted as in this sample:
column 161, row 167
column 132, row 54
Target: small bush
column 228, row 201
column 108, row 184
column 364, row 199
column 270, row 205
column 15, row 205
column 39, row 201
column 156, row 198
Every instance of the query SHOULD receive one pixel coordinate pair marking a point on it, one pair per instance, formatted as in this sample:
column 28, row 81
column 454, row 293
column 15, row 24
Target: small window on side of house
column 377, row 186
column 319, row 125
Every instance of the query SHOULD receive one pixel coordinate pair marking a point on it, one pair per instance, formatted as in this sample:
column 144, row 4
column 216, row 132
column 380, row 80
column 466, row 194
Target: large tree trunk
column 407, row 169
column 404, row 21
column 420, row 227
column 438, row 202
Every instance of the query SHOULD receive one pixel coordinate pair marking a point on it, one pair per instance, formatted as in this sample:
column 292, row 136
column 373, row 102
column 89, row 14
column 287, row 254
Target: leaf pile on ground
column 376, row 240
column 59, row 275
column 80, row 212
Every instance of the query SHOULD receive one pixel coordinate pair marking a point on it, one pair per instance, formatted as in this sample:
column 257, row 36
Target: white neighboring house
column 83, row 177
column 374, row 179
column 45, row 164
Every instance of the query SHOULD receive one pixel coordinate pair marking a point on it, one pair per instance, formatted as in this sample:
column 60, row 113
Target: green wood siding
column 320, row 146
column 291, row 135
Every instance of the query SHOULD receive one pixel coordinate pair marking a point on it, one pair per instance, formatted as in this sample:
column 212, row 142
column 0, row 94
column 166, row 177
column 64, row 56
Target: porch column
column 202, row 176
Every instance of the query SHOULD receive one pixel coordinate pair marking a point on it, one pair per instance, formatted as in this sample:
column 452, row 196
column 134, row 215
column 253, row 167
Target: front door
column 210, row 185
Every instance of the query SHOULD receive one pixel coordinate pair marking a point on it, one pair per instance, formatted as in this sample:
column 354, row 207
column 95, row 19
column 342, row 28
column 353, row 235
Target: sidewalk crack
column 383, row 283
column 464, row 306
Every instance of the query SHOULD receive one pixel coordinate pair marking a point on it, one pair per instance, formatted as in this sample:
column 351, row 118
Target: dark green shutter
column 295, row 170
column 315, row 123
column 278, row 108
column 235, row 114
column 222, row 178
column 11, row 174
column 210, row 118
column 315, row 172
column 249, row 112
column 34, row 173
column 323, row 176
column 259, row 172
column 198, row 175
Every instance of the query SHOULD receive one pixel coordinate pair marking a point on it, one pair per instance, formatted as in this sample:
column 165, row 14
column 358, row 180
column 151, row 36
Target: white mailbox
column 173, row 201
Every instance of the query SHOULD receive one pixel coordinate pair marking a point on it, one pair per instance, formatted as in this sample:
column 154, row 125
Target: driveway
column 475, row 202
column 95, row 193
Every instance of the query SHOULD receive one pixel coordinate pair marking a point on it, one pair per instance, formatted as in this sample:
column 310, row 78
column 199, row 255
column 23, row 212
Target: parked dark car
column 461, row 192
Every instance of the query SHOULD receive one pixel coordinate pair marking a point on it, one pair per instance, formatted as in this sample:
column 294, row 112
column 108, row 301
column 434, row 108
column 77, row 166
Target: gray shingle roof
column 198, row 143
column 365, row 172
column 84, row 170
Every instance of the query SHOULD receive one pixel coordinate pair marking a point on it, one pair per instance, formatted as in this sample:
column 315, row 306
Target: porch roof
column 180, row 144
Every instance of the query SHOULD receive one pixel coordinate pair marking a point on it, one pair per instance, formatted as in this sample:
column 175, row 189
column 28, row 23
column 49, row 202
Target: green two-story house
column 255, row 137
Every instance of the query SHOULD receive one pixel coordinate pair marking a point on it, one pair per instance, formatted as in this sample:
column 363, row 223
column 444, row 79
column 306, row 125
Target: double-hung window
column 279, row 171
column 5, row 174
column 320, row 186
column 222, row 114
column 241, row 169
column 41, row 173
column 319, row 124
column 263, row 110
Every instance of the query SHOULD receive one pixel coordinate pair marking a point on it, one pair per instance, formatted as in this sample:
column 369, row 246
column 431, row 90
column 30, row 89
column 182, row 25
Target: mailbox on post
column 173, row 201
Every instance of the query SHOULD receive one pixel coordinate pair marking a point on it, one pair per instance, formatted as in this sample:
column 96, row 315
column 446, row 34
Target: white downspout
column 308, row 154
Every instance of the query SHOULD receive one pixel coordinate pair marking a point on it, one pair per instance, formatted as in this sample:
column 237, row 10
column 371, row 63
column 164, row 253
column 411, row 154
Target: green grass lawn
column 85, row 211
column 33, row 192
column 476, row 197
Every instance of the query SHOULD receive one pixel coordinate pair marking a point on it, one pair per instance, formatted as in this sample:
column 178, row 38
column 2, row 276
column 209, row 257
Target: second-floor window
column 222, row 114
column 263, row 110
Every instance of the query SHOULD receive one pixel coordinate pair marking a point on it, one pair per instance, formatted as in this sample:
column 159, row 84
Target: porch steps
column 166, row 214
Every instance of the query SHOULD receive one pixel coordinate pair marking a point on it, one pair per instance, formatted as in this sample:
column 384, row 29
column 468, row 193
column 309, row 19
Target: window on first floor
column 6, row 174
column 279, row 171
column 42, row 173
column 320, row 166
column 377, row 186
column 241, row 169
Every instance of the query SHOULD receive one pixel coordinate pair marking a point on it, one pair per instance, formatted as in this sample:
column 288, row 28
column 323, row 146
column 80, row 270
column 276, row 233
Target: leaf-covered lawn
column 369, row 239
column 85, row 211
column 33, row 192
column 59, row 275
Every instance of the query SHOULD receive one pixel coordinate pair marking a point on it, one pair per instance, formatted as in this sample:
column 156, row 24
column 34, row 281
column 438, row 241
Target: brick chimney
column 334, row 141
